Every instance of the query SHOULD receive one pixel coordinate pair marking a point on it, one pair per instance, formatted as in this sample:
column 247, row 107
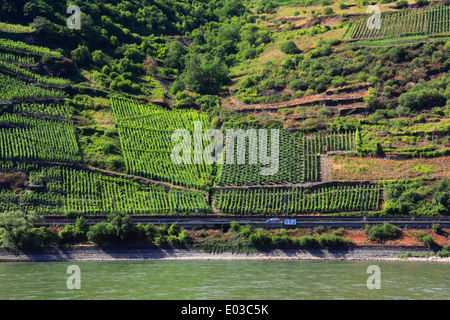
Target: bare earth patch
column 355, row 168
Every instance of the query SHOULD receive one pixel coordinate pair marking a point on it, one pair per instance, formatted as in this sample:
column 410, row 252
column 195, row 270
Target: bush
column 19, row 231
column 379, row 152
column 436, row 227
column 173, row 230
column 424, row 238
column 260, row 239
column 246, row 231
column 235, row 226
column 401, row 4
column 101, row 233
column 286, row 111
column 306, row 241
column 327, row 10
column 289, row 47
column 422, row 2
column 383, row 232
column 328, row 241
column 71, row 234
column 444, row 252
column 428, row 241
column 115, row 162
column 177, row 86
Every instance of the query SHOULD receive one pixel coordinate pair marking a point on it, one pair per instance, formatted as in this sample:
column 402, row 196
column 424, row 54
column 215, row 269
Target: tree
column 18, row 229
column 81, row 56
column 122, row 225
column 205, row 76
column 233, row 8
column 289, row 47
column 175, row 55
column 98, row 57
column 101, row 233
column 150, row 66
column 379, row 150
column 358, row 139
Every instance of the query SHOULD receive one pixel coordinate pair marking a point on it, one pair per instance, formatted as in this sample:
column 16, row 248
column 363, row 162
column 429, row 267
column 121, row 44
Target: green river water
column 225, row 280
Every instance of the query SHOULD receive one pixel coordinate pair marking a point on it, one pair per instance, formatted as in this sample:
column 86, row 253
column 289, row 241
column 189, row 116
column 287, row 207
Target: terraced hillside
column 87, row 116
column 425, row 21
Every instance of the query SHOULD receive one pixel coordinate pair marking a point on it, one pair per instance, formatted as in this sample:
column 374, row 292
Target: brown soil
column 359, row 237
column 355, row 168
column 13, row 181
column 312, row 99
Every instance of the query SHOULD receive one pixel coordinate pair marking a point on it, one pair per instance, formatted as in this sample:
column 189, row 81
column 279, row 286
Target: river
column 224, row 280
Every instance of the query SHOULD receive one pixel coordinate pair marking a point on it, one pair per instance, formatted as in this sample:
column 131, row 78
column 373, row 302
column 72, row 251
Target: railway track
column 261, row 222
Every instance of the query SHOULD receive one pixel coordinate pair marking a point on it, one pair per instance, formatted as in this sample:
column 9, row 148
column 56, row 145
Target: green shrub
column 160, row 240
column 286, row 111
column 320, row 229
column 70, row 234
column 173, row 230
column 235, row 226
column 422, row 2
column 101, row 233
column 306, row 241
column 19, row 230
column 289, row 47
column 328, row 241
column 436, row 227
column 424, row 238
column 246, row 231
column 401, row 4
column 327, row 10
column 174, row 240
column 428, row 241
column 281, row 240
column 260, row 239
column 383, row 232
column 444, row 252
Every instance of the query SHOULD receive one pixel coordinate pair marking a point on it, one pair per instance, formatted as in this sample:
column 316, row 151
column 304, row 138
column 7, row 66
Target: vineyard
column 15, row 69
column 299, row 160
column 14, row 28
column 146, row 139
column 25, row 138
column 56, row 190
column 14, row 90
column 426, row 21
column 22, row 60
column 51, row 110
column 20, row 46
column 290, row 165
column 299, row 200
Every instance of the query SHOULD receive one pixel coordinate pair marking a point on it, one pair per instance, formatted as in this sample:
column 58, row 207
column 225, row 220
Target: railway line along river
column 224, row 280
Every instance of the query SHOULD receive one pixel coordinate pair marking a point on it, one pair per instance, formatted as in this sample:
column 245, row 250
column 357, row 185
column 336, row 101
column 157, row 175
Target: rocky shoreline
column 151, row 252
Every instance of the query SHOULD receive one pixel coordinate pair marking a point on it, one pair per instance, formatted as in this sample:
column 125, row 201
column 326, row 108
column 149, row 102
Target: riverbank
column 151, row 252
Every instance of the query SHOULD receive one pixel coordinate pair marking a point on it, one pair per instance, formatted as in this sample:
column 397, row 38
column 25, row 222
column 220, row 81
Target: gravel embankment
column 142, row 252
